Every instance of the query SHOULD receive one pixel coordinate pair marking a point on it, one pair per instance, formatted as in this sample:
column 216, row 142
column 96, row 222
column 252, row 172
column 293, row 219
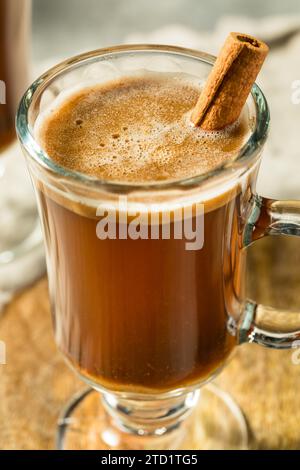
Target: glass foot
column 203, row 420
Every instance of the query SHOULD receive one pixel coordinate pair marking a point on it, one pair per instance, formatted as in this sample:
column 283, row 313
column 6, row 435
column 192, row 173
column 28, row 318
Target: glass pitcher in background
column 21, row 256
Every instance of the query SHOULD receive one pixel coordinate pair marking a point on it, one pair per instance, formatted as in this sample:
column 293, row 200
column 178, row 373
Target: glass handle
column 258, row 323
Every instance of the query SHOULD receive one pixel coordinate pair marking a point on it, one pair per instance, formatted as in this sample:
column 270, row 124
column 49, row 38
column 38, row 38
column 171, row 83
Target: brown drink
column 143, row 315
column 14, row 23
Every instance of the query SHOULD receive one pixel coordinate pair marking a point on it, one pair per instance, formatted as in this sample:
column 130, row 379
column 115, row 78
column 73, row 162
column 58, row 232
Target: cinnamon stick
column 230, row 82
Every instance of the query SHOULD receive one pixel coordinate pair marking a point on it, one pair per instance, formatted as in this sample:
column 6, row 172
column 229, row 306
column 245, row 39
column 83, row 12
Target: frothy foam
column 136, row 129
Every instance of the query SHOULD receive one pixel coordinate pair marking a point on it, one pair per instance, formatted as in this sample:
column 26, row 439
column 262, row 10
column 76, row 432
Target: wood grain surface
column 35, row 383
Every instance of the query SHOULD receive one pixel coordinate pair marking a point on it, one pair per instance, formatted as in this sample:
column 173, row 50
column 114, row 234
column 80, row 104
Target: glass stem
column 154, row 418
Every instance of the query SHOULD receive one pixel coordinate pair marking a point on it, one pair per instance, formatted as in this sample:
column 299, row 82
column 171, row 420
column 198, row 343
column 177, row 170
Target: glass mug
column 147, row 322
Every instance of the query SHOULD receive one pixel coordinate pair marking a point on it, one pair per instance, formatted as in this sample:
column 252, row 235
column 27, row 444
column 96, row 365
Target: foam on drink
column 136, row 129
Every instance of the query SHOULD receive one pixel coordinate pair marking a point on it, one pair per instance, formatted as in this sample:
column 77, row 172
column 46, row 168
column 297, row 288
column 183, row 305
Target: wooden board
column 35, row 382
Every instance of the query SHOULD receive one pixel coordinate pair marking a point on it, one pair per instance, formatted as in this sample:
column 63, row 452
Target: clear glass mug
column 148, row 335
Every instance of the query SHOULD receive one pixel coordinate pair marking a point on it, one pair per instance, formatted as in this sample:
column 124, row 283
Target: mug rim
column 247, row 155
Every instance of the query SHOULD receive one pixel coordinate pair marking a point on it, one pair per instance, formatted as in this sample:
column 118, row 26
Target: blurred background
column 64, row 27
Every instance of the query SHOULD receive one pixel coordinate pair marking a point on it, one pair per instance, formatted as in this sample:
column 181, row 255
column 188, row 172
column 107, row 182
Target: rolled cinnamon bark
column 230, row 82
